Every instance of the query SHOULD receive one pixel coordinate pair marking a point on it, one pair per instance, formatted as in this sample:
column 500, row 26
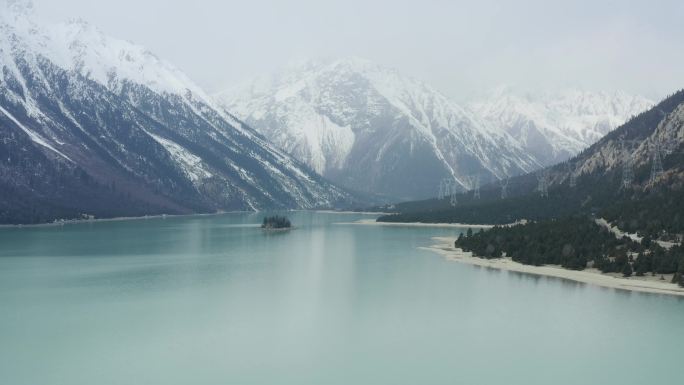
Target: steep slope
column 95, row 125
column 614, row 178
column 556, row 126
column 371, row 129
column 622, row 213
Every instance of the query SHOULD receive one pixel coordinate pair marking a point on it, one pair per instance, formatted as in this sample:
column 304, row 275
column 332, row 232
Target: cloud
column 459, row 46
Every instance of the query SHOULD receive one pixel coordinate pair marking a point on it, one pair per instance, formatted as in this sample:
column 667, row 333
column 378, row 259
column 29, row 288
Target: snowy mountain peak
column 97, row 56
column 18, row 7
column 79, row 46
column 557, row 125
column 366, row 126
column 18, row 14
column 99, row 117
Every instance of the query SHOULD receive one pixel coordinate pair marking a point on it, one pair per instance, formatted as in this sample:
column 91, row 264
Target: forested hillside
column 614, row 178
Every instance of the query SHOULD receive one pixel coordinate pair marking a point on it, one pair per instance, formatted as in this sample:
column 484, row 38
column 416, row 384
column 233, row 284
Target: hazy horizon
column 461, row 48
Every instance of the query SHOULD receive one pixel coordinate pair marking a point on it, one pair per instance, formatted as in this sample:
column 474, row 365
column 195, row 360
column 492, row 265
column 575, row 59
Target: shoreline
column 114, row 219
column 348, row 212
column 163, row 216
column 645, row 284
column 372, row 222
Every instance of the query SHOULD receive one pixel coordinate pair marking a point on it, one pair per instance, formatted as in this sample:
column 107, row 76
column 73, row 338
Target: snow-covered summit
column 76, row 45
column 99, row 117
column 369, row 127
column 557, row 125
column 17, row 7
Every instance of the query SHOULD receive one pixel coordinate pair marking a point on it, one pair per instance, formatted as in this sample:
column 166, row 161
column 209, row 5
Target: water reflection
column 217, row 300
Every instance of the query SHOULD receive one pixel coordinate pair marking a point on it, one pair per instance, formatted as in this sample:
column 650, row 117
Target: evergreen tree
column 680, row 273
column 276, row 222
column 641, row 265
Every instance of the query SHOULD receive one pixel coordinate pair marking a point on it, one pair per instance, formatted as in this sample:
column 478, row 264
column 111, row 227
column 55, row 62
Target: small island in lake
column 276, row 222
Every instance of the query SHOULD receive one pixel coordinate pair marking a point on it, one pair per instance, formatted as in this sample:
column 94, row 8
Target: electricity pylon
column 628, row 163
column 448, row 189
column 503, row 182
column 572, row 174
column 474, row 184
column 543, row 179
column 444, row 188
column 452, row 198
column 440, row 191
column 656, row 164
column 627, row 170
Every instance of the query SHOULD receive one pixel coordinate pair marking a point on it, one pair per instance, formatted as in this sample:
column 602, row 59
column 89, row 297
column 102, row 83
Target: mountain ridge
column 555, row 126
column 118, row 132
column 616, row 177
column 366, row 126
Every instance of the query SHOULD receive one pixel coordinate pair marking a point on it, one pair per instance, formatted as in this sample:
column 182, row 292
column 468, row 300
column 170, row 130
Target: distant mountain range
column 370, row 128
column 92, row 125
column 633, row 177
column 553, row 127
column 95, row 126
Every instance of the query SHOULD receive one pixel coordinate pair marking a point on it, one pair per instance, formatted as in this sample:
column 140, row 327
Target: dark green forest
column 653, row 211
column 657, row 213
column 276, row 222
column 575, row 243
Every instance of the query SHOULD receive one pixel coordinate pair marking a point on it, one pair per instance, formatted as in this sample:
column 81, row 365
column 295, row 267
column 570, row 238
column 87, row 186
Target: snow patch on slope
column 37, row 138
column 325, row 112
column 190, row 163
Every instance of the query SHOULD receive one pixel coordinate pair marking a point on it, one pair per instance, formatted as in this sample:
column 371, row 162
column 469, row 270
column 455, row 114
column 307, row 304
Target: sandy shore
column 372, row 222
column 647, row 284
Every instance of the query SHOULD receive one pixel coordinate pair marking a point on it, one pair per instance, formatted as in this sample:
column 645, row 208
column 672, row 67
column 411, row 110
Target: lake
column 216, row 300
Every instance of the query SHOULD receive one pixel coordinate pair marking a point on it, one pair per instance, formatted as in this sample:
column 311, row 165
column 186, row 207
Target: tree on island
column 276, row 222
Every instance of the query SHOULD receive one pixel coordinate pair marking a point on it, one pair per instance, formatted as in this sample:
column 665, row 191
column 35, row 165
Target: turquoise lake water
column 215, row 300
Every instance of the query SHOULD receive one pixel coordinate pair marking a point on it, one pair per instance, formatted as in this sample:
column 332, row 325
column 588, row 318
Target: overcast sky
column 460, row 47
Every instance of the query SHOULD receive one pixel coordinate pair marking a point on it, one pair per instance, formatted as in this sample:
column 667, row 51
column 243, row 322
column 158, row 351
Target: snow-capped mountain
column 660, row 129
column 95, row 125
column 369, row 128
column 622, row 161
column 556, row 126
